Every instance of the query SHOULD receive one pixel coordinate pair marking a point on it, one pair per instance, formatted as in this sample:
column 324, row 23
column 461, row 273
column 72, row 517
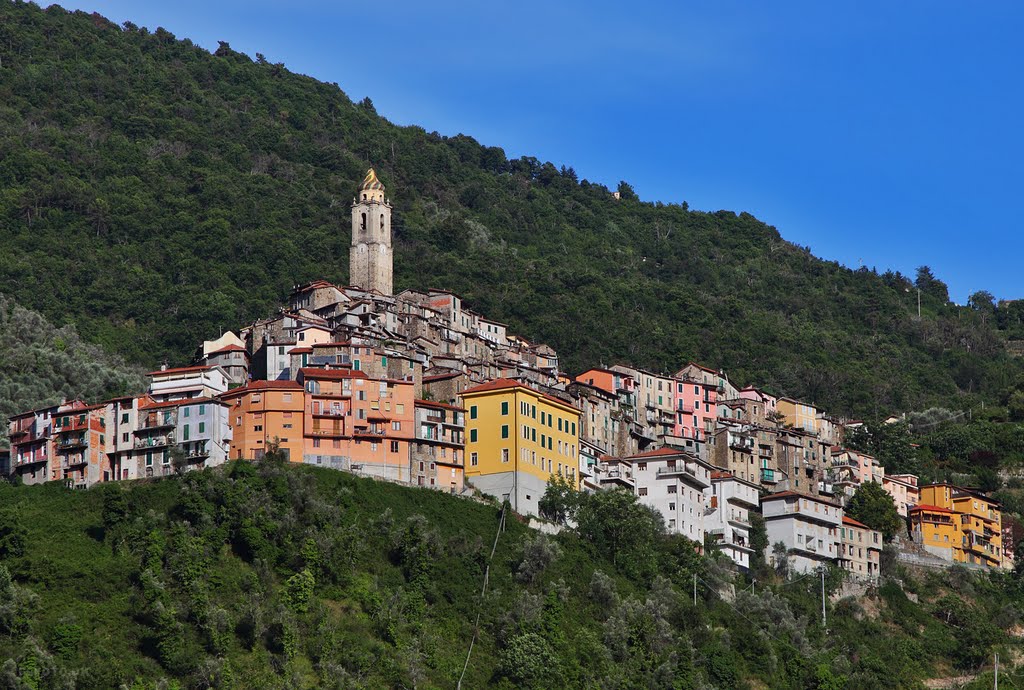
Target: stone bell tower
column 370, row 262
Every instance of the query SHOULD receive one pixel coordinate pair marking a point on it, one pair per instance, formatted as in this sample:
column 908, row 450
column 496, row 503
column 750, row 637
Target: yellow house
column 799, row 415
column 958, row 524
column 517, row 438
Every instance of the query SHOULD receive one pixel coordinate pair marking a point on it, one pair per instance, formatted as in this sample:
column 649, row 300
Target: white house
column 730, row 501
column 673, row 482
column 807, row 525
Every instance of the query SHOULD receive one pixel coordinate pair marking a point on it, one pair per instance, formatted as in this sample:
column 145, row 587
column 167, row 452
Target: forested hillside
column 41, row 364
column 279, row 576
column 155, row 194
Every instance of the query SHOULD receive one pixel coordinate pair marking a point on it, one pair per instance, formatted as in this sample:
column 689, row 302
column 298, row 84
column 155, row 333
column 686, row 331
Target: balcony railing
column 768, row 476
column 68, row 443
column 159, row 422
column 154, row 442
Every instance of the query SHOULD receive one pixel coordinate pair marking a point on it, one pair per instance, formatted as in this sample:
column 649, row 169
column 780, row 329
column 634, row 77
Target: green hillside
column 41, row 364
column 276, row 576
column 155, row 194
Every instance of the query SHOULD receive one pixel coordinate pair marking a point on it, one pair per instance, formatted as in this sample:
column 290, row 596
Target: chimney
column 163, row 366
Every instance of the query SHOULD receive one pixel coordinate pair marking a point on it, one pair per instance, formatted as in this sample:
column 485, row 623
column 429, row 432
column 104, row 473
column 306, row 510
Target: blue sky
column 886, row 133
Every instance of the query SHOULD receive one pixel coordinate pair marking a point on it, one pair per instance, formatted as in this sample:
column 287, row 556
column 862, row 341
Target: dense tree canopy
column 156, row 194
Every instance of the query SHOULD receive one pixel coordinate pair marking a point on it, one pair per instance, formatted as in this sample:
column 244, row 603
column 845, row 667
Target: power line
column 483, row 592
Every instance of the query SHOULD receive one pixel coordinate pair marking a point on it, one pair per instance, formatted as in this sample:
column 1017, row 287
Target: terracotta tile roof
column 721, row 474
column 431, row 403
column 505, row 384
column 851, row 521
column 794, row 494
column 439, row 377
column 301, row 351
column 179, row 370
column 227, row 348
column 256, row 386
column 178, row 403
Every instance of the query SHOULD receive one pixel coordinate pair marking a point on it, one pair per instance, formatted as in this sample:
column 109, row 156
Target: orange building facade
column 263, row 414
column 356, row 423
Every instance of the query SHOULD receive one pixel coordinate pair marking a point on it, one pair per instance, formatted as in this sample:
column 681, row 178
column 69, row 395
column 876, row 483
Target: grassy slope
column 229, row 541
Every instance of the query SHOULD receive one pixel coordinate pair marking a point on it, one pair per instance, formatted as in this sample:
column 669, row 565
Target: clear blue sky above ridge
column 886, row 133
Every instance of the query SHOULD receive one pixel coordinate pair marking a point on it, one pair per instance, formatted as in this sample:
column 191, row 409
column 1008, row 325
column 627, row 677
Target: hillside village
column 419, row 389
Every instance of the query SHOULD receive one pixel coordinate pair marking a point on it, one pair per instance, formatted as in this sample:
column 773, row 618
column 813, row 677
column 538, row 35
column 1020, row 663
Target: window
column 258, row 427
column 394, row 446
column 396, row 426
column 186, row 430
column 504, row 454
column 533, row 411
column 472, row 412
column 400, row 408
column 533, row 435
column 187, row 411
column 472, row 436
column 573, row 428
column 504, row 430
column 202, row 427
column 316, row 443
column 642, row 491
column 472, row 459
column 124, row 418
column 202, row 409
column 672, row 488
column 504, row 408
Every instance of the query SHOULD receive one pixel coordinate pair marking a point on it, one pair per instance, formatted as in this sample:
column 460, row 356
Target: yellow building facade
column 517, row 438
column 799, row 415
column 958, row 524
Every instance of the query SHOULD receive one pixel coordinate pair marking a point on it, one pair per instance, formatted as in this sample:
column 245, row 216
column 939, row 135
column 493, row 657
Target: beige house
column 860, row 550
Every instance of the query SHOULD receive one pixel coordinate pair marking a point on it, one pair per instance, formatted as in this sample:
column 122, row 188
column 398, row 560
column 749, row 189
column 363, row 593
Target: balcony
column 159, row 421
column 155, row 441
column 70, row 443
column 768, row 476
column 75, row 461
column 330, row 412
column 687, row 470
column 765, row 452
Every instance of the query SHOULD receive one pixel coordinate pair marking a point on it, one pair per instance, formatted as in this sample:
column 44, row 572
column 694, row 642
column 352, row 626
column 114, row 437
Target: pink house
column 696, row 407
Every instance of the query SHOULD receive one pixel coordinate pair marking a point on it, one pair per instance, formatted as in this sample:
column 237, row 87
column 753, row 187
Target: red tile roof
column 851, row 521
column 794, row 494
column 930, row 509
column 721, row 474
column 505, row 384
column 179, row 370
column 178, row 403
column 256, row 386
column 439, row 377
column 431, row 403
column 228, row 348
column 301, row 351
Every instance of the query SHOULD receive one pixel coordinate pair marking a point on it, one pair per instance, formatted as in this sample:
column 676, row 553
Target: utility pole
column 695, row 589
column 823, row 621
column 996, row 686
column 918, row 304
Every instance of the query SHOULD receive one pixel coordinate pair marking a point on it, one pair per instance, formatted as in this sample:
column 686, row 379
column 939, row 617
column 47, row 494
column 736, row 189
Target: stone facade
column 371, row 262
